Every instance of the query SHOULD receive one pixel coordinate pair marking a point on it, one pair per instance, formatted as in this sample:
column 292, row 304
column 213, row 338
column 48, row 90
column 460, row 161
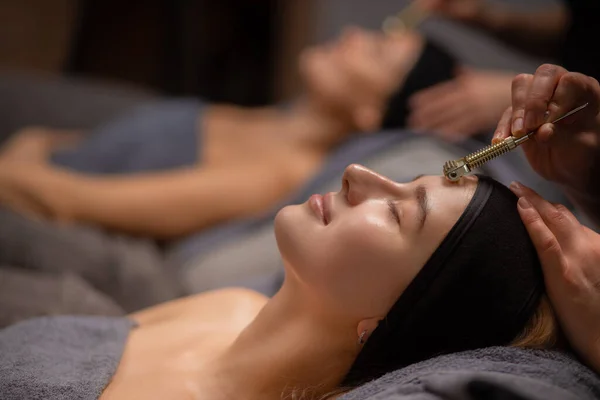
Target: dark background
column 221, row 50
column 237, row 51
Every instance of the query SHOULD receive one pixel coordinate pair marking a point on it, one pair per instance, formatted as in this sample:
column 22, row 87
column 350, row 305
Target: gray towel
column 128, row 270
column 60, row 357
column 26, row 294
column 494, row 373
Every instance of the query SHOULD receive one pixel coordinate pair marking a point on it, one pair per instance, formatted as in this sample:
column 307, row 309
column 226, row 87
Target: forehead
column 440, row 183
column 445, row 198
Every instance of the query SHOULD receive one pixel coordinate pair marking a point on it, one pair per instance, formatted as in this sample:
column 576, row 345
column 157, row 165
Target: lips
column 327, row 207
column 321, row 206
column 316, row 203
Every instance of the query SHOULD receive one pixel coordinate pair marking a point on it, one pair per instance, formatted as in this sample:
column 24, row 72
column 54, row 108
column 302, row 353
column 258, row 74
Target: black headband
column 435, row 65
column 478, row 289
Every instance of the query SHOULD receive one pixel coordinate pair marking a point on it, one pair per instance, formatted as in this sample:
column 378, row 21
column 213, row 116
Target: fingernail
column 546, row 115
column 514, row 185
column 517, row 125
column 524, row 203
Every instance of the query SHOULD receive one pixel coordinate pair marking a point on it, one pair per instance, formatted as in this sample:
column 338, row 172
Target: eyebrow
column 423, row 201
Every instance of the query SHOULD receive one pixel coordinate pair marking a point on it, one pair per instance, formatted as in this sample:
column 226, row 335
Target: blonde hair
column 542, row 330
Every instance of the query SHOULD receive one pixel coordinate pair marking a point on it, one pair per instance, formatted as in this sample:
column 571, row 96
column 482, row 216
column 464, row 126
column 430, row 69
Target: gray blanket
column 126, row 270
column 500, row 373
column 60, row 357
column 76, row 357
column 26, row 294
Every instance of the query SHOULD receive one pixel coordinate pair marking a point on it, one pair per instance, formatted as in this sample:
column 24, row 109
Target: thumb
column 545, row 133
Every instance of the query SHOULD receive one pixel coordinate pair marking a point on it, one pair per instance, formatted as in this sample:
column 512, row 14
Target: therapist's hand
column 570, row 257
column 567, row 153
column 469, row 104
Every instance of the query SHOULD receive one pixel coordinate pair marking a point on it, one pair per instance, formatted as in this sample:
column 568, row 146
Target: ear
column 367, row 326
column 367, row 118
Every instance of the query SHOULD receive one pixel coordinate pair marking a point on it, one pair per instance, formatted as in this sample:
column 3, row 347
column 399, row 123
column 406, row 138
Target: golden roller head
column 455, row 169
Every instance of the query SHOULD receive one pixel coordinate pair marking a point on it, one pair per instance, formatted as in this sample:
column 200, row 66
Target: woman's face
column 355, row 251
column 360, row 68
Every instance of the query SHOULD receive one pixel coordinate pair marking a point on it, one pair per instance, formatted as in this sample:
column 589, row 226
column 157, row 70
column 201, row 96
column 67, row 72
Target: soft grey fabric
column 159, row 136
column 60, row 357
column 25, row 294
column 63, row 103
column 129, row 271
column 75, row 358
column 501, row 373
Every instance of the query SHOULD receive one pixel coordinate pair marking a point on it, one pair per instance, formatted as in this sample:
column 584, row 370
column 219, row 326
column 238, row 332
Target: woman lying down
column 380, row 277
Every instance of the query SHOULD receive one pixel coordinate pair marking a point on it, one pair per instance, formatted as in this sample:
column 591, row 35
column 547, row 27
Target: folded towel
column 60, row 357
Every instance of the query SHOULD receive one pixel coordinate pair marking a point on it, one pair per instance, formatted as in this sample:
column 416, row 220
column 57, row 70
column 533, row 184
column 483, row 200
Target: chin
column 320, row 75
column 294, row 230
column 284, row 225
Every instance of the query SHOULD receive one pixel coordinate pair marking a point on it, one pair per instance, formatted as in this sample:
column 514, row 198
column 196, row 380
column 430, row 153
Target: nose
column 360, row 184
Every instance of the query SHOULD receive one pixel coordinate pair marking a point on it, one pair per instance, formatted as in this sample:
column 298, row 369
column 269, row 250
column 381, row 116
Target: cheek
column 365, row 266
column 358, row 264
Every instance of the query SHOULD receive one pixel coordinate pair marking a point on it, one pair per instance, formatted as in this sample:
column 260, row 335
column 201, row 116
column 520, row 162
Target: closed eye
column 394, row 211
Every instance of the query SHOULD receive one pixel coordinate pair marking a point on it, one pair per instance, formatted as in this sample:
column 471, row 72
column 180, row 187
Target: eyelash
column 394, row 211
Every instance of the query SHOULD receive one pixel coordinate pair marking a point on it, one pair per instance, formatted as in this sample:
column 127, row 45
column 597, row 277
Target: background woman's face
column 360, row 66
column 357, row 252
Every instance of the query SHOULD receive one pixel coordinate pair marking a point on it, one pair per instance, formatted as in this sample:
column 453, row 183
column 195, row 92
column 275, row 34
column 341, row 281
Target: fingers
column 520, row 89
column 545, row 242
column 438, row 116
column 433, row 94
column 434, row 107
column 549, row 94
column 540, row 95
column 544, row 134
column 503, row 130
column 558, row 219
column 573, row 90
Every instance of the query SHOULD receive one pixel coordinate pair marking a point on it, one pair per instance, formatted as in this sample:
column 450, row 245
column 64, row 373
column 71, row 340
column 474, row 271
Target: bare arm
column 539, row 32
column 161, row 205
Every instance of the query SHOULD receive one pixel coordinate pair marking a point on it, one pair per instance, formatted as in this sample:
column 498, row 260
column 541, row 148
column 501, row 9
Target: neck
column 314, row 126
column 286, row 350
column 304, row 126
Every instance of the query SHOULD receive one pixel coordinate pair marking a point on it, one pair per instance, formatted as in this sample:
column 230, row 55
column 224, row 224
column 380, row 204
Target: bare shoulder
column 236, row 303
column 235, row 296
